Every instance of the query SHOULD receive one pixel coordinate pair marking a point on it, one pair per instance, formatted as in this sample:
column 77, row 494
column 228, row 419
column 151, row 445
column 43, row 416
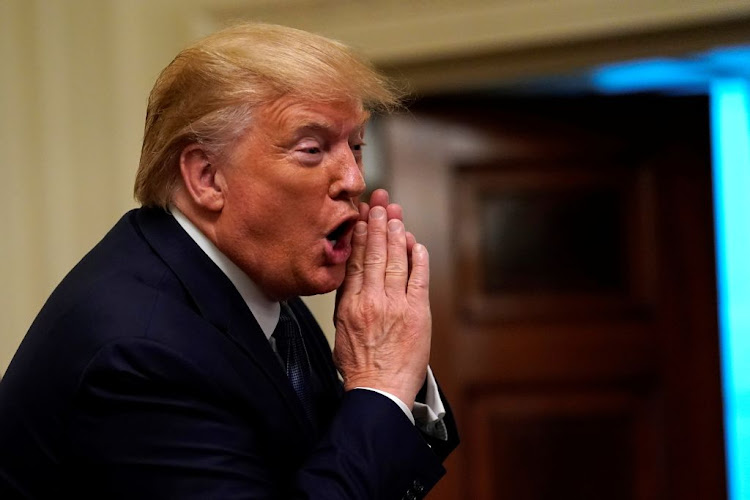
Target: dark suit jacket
column 146, row 376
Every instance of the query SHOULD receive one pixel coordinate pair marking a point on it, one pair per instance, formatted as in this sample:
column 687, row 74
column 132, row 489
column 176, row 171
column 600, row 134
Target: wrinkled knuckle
column 422, row 295
column 396, row 268
column 376, row 229
column 418, row 285
column 354, row 268
column 341, row 321
column 344, row 304
column 345, row 321
column 374, row 259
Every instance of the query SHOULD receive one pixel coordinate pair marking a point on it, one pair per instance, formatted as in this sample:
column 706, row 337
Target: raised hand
column 383, row 320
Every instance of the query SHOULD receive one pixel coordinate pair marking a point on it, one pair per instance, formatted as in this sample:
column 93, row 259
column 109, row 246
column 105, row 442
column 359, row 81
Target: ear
column 200, row 178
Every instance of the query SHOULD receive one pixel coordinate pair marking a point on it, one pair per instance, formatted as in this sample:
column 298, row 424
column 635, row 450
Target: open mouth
column 340, row 231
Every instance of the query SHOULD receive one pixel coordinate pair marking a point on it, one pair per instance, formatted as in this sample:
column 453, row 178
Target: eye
column 309, row 152
column 357, row 147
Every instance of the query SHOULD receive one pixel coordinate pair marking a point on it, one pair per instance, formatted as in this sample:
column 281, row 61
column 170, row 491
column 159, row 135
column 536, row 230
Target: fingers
column 375, row 250
column 394, row 211
column 381, row 247
column 410, row 242
column 379, row 197
column 418, row 288
column 397, row 267
column 356, row 264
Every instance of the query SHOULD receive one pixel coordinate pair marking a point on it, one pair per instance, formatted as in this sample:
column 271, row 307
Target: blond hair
column 207, row 94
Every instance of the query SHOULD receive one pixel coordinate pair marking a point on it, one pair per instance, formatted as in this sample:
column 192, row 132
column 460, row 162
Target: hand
column 383, row 320
column 380, row 197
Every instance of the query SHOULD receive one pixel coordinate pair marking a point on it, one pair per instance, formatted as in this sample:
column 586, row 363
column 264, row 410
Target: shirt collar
column 266, row 311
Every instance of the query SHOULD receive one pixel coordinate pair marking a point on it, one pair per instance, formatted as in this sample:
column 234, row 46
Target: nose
column 348, row 181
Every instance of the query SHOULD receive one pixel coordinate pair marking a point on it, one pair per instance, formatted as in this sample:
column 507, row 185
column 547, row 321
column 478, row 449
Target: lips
column 340, row 231
column 338, row 241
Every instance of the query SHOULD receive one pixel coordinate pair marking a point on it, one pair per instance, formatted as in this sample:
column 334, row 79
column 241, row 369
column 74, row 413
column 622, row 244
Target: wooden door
column 573, row 292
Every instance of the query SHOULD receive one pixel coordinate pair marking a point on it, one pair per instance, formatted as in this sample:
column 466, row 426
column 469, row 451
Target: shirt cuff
column 395, row 399
column 426, row 415
column 430, row 414
column 432, row 409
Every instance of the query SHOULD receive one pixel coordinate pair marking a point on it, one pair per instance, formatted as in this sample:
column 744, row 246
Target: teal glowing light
column 725, row 75
column 730, row 128
column 649, row 75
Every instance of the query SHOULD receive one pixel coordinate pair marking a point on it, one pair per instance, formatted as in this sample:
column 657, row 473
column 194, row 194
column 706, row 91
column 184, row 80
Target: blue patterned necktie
column 291, row 349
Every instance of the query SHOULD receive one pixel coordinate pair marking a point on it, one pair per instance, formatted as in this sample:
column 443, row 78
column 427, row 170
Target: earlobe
column 200, row 178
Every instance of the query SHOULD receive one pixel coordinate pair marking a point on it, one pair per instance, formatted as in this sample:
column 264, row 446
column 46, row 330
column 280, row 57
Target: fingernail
column 394, row 225
column 360, row 227
column 377, row 213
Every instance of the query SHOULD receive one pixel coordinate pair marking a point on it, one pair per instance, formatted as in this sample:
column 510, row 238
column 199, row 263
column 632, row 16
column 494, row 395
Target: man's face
column 291, row 188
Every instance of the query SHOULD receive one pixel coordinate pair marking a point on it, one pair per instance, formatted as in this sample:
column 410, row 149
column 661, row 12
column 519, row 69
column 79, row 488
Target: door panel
column 572, row 288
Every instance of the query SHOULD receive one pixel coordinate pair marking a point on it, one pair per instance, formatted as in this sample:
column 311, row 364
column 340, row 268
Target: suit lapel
column 216, row 298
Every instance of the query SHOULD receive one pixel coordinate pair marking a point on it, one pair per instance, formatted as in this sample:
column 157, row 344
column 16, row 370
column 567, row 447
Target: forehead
column 291, row 114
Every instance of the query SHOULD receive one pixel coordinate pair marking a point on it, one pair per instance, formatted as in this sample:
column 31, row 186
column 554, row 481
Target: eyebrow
column 326, row 127
column 323, row 125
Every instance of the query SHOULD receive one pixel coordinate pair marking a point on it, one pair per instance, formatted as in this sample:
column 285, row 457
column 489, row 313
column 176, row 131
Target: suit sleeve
column 377, row 450
column 442, row 448
column 150, row 424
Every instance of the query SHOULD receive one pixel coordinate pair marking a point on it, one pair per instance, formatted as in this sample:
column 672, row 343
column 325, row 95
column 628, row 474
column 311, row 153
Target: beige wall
column 76, row 73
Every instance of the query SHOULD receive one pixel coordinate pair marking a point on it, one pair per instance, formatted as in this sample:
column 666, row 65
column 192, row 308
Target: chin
column 329, row 280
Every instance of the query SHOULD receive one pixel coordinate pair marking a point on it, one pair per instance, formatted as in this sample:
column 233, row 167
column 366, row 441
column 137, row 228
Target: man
column 176, row 359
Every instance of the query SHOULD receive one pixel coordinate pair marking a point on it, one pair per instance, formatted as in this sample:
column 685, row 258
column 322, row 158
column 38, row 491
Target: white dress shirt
column 427, row 415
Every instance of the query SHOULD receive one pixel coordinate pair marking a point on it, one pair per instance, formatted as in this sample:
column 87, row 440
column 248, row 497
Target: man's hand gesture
column 383, row 320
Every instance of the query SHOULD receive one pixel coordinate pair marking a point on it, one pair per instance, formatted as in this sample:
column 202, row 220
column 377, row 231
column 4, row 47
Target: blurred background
column 578, row 169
